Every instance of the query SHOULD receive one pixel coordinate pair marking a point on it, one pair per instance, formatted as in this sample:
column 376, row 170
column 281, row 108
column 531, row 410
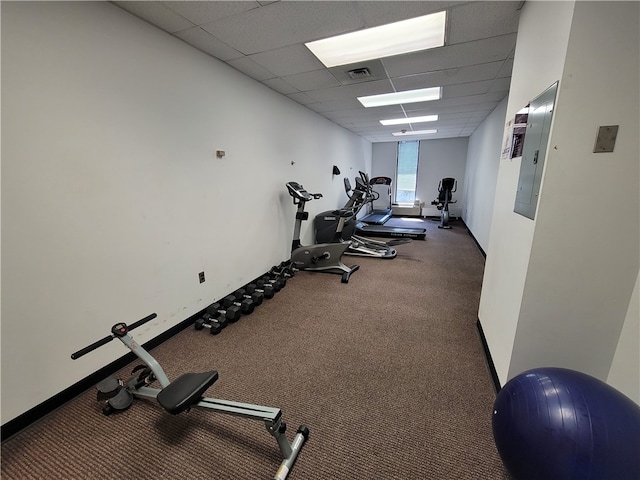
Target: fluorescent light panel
column 406, row 36
column 397, row 98
column 400, row 121
column 414, row 132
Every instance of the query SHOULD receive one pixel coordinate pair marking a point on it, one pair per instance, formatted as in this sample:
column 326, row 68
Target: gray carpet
column 387, row 371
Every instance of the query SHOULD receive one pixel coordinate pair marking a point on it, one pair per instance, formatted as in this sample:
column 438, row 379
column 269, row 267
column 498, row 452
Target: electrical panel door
column 534, row 152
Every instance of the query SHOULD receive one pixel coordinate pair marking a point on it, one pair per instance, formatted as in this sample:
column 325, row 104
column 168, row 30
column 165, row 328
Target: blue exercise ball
column 559, row 424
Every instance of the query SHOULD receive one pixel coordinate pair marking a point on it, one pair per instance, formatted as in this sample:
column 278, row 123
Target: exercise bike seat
column 185, row 390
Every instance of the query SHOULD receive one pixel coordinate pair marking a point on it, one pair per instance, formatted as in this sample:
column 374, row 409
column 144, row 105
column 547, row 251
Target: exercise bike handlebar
column 107, row 339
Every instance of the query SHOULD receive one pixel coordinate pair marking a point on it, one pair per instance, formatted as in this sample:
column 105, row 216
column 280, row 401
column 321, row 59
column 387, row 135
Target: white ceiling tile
column 476, row 20
column 157, row 14
column 334, row 106
column 505, row 70
column 500, row 84
column 208, row 43
column 377, row 13
column 461, row 55
column 451, row 76
column 349, row 92
column 285, row 23
column 463, row 116
column 251, row 68
column 466, row 89
column 473, row 99
column 302, row 98
column 288, row 60
column 312, row 80
column 199, row 12
column 279, row 85
column 441, row 109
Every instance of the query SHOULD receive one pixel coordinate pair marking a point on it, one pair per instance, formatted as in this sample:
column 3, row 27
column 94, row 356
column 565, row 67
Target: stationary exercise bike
column 446, row 188
column 320, row 257
column 184, row 393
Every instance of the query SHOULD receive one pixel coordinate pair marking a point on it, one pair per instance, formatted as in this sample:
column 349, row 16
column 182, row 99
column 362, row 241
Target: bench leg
column 289, row 451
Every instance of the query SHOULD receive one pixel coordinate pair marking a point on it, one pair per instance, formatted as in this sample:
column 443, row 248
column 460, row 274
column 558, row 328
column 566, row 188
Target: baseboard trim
column 39, row 411
column 475, row 240
column 487, row 354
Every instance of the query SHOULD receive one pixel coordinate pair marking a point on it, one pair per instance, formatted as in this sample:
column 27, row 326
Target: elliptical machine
column 446, row 187
column 325, row 225
column 321, row 257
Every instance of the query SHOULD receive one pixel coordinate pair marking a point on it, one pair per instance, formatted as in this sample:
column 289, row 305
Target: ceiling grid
column 266, row 41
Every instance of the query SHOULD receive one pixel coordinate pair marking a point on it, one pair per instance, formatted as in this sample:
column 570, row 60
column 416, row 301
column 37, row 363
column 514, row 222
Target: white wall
column 436, row 159
column 439, row 159
column 113, row 199
column 625, row 374
column 538, row 63
column 481, row 174
column 562, row 290
column 585, row 253
column 384, row 160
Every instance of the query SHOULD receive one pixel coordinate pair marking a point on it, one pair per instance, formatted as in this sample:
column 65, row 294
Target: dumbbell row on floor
column 245, row 305
column 244, row 300
column 282, row 272
column 231, row 314
column 266, row 291
column 215, row 325
column 278, row 283
column 244, row 293
column 285, row 269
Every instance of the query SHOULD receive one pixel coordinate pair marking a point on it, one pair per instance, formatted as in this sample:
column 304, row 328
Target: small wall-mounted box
column 606, row 139
column 220, row 153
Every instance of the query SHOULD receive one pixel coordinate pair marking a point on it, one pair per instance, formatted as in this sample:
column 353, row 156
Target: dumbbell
column 255, row 297
column 231, row 314
column 246, row 305
column 266, row 291
column 268, row 288
column 287, row 268
column 206, row 321
column 277, row 282
column 284, row 270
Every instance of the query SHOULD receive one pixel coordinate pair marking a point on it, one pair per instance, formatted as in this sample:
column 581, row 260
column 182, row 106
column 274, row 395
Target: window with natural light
column 407, row 172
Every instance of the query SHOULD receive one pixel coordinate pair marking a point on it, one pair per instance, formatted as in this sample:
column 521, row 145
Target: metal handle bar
column 105, row 340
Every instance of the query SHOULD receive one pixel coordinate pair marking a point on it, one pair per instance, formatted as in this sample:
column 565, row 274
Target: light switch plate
column 606, row 139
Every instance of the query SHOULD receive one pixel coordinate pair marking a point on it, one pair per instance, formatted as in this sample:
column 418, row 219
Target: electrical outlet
column 201, row 277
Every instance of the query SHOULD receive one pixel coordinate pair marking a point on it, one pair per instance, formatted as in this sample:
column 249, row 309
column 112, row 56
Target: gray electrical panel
column 534, row 152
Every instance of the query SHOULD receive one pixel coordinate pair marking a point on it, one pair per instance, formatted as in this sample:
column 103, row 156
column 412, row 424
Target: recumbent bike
column 184, row 393
column 446, row 187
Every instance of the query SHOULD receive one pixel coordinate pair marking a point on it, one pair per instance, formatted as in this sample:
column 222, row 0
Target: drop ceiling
column 265, row 40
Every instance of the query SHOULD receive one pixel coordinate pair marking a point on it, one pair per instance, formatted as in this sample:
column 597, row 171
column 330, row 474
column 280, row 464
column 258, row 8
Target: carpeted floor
column 387, row 372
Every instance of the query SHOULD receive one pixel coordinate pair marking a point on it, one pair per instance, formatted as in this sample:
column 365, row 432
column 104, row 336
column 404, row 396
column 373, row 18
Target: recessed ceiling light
column 400, row 121
column 406, row 36
column 414, row 132
column 397, row 98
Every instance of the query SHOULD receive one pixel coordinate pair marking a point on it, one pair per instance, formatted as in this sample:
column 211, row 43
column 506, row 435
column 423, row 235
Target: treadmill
column 378, row 216
column 362, row 193
column 388, row 231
